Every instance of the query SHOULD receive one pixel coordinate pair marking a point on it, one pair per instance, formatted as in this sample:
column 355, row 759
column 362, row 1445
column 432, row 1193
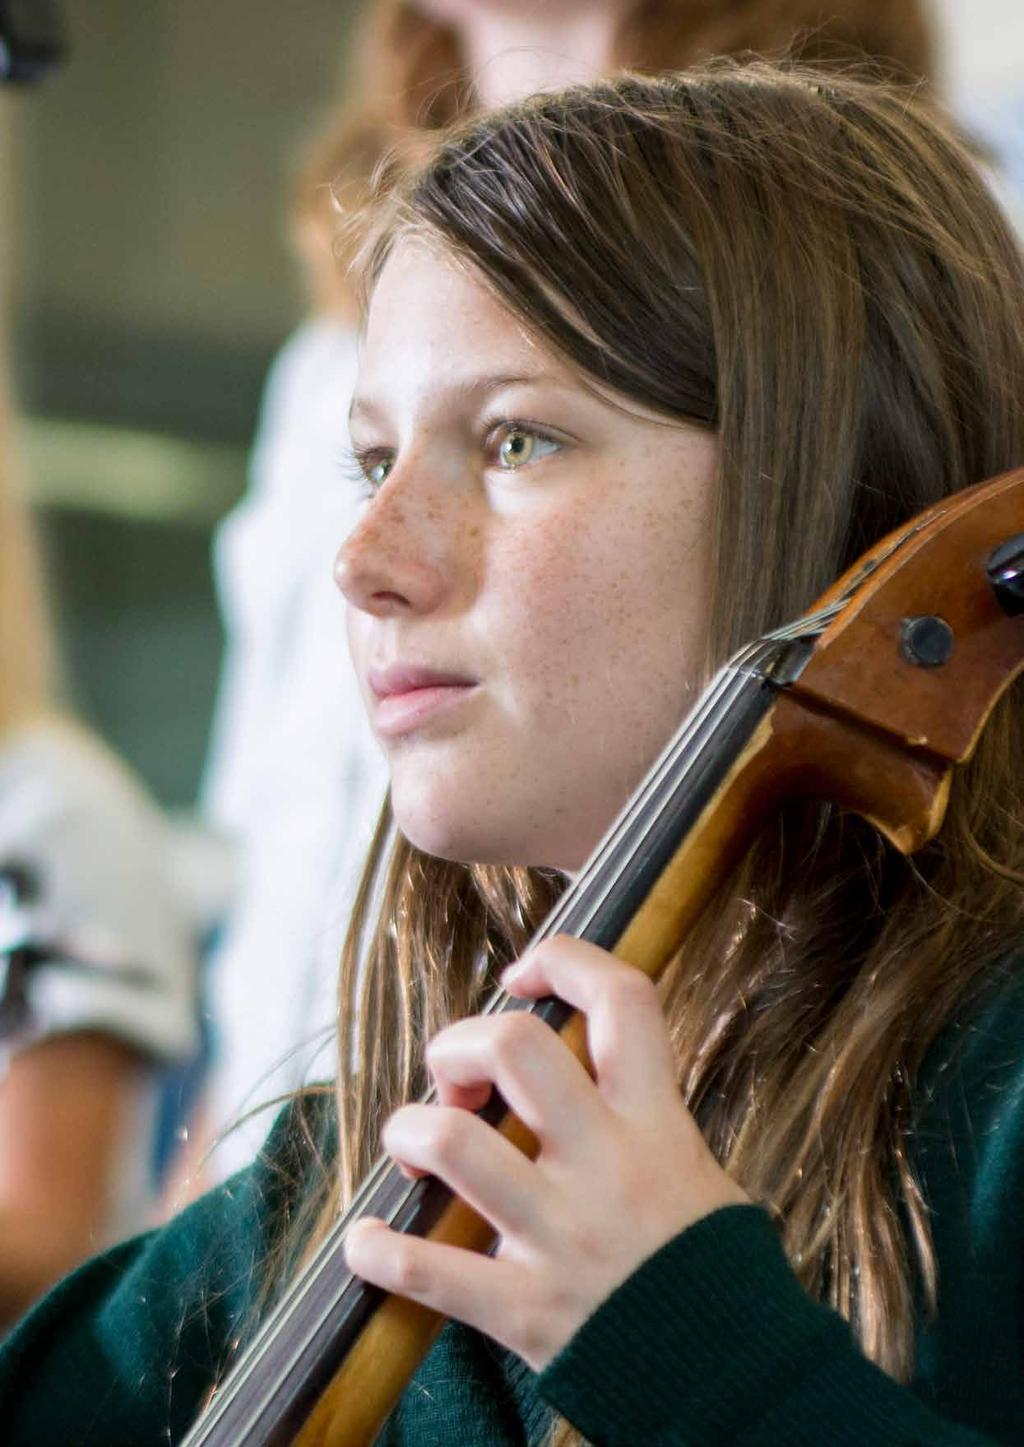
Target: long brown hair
column 814, row 268
column 26, row 652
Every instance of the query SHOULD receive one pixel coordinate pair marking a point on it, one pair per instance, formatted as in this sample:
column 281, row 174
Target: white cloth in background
column 1008, row 139
column 997, row 120
column 294, row 772
column 99, row 851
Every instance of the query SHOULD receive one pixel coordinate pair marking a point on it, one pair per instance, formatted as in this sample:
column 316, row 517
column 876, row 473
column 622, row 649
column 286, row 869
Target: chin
column 440, row 814
column 446, row 838
column 461, row 839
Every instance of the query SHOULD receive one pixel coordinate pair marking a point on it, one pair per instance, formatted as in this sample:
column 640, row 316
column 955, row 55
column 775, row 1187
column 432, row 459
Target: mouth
column 408, row 695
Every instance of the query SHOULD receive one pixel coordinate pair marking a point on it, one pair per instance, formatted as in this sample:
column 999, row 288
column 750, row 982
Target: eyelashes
column 358, row 465
column 368, row 467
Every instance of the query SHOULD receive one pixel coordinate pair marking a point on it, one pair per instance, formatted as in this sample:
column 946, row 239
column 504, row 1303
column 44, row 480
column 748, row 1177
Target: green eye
column 377, row 474
column 521, row 445
column 516, row 448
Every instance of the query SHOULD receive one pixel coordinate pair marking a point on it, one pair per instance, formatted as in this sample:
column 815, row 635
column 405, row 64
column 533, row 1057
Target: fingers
column 452, row 1281
column 481, row 1166
column 503, row 1299
column 626, row 1034
column 466, row 1097
column 622, row 1164
column 540, row 1080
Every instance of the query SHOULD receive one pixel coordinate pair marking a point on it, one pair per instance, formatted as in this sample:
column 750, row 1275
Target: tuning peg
column 1006, row 574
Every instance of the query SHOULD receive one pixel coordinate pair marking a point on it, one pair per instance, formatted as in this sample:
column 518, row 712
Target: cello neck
column 328, row 1317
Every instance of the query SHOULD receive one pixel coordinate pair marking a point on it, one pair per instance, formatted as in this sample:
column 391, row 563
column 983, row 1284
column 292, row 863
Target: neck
column 514, row 54
column 639, row 894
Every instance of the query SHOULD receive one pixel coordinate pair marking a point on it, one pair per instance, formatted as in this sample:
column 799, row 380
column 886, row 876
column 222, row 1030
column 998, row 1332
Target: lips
column 409, row 694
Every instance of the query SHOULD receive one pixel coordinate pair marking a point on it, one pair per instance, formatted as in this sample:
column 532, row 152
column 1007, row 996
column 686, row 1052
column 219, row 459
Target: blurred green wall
column 150, row 283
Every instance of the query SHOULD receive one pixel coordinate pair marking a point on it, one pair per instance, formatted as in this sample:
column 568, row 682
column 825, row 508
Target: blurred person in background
column 294, row 775
column 110, row 996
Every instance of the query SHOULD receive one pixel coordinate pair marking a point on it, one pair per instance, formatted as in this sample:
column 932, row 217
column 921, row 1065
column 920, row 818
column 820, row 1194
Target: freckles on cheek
column 613, row 621
column 541, row 601
column 560, row 635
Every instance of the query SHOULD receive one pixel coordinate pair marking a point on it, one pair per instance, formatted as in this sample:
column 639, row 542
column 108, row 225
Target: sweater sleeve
column 124, row 1351
column 714, row 1343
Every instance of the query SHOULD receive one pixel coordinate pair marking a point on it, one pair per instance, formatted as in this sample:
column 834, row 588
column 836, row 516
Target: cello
column 871, row 700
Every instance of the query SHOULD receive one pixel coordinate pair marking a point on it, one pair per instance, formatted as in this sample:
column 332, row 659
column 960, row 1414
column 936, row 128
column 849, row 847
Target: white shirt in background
column 294, row 774
column 99, row 851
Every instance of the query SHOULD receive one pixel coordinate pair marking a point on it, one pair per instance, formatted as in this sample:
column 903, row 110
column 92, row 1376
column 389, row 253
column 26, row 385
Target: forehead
column 432, row 318
column 436, row 331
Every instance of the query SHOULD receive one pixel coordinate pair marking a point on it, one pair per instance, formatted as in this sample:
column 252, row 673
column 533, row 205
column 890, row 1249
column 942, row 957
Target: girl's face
column 527, row 588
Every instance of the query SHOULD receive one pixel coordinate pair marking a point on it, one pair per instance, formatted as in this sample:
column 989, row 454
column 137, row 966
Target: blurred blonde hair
column 26, row 650
column 407, row 78
column 409, row 67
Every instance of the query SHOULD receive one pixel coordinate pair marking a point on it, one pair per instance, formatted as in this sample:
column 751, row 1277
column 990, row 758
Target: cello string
column 717, row 699
column 372, row 1185
column 686, row 738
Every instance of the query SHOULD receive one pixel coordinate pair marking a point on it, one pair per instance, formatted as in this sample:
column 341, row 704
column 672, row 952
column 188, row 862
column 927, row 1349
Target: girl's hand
column 622, row 1166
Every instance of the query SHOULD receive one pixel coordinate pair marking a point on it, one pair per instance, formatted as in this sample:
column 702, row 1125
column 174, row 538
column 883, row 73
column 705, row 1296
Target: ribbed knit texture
column 736, row 1353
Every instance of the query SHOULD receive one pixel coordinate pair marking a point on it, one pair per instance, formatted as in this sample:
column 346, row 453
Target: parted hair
column 812, row 267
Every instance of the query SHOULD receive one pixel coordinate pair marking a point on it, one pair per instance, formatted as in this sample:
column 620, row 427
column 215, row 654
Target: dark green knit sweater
column 711, row 1342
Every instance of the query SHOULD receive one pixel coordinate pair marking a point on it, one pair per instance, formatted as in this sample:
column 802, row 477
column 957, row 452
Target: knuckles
column 617, row 980
column 400, row 1128
column 550, row 950
column 444, row 1134
column 516, row 1033
column 426, row 1135
column 632, row 989
column 409, row 1274
column 438, row 1045
column 512, row 1030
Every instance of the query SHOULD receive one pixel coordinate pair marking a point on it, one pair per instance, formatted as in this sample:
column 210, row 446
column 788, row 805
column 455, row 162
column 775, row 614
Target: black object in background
column 19, row 891
column 32, row 40
column 27, row 944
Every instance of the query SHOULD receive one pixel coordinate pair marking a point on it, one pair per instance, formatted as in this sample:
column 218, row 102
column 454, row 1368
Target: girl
column 294, row 774
column 646, row 365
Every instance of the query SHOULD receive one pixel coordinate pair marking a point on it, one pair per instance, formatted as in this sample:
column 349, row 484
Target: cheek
column 597, row 657
column 606, row 626
column 543, row 594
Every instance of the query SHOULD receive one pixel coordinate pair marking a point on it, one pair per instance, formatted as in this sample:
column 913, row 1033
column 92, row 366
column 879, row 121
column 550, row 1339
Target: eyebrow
column 468, row 389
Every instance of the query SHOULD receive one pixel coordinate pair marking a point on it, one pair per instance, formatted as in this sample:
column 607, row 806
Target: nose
column 394, row 562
